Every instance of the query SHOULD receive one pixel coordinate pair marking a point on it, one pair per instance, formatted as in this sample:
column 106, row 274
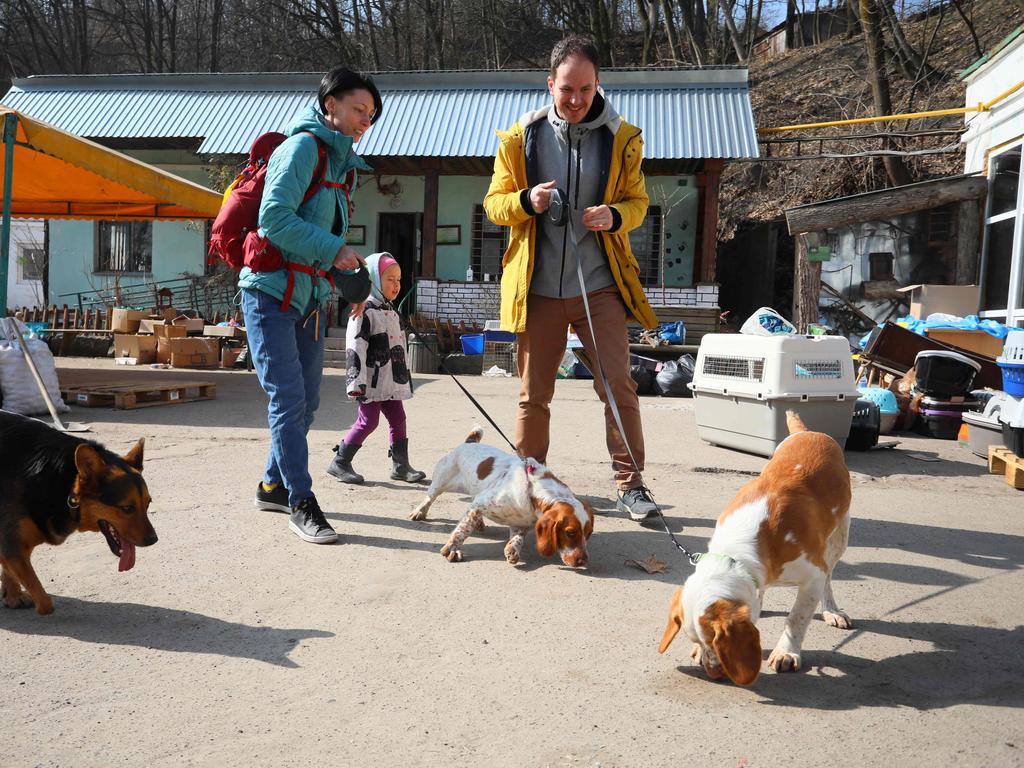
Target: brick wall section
column 478, row 302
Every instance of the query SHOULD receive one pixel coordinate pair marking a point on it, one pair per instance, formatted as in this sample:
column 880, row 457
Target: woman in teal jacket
column 282, row 309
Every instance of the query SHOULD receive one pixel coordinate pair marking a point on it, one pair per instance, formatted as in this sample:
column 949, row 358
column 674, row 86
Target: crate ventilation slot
column 818, row 369
column 729, row 367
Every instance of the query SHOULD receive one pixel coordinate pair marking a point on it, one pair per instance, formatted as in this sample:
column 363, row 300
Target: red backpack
column 234, row 237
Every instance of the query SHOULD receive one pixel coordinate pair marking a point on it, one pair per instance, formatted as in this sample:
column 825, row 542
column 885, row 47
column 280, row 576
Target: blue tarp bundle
column 969, row 323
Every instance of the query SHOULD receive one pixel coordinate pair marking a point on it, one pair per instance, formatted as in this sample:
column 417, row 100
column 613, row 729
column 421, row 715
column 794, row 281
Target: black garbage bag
column 674, row 376
column 644, row 378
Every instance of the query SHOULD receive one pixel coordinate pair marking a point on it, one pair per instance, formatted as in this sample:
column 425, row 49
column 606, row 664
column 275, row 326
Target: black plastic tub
column 944, row 374
column 942, row 425
column 1013, row 438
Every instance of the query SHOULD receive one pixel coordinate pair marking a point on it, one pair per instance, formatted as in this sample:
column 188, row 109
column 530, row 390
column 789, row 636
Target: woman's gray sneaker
column 309, row 523
column 272, row 501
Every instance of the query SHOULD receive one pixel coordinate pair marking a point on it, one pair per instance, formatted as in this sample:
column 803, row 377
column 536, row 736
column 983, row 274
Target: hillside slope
column 826, row 82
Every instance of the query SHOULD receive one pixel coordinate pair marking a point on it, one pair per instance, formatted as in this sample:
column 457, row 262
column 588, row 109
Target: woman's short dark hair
column 574, row 45
column 341, row 80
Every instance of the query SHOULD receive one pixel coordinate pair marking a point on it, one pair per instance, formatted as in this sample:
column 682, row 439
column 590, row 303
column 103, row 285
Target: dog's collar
column 733, row 561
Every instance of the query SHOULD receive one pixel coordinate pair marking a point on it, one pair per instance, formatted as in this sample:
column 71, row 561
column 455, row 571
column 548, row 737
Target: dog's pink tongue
column 127, row 561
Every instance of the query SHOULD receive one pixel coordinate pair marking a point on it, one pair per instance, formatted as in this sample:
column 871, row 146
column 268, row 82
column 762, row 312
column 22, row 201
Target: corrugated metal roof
column 684, row 113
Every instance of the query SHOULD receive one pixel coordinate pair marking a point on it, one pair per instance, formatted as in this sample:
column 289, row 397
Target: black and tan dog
column 53, row 484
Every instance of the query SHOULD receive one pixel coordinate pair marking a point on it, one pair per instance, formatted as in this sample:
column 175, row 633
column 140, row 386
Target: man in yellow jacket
column 580, row 145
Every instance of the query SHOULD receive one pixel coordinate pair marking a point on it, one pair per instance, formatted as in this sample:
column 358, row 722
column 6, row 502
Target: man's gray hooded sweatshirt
column 572, row 156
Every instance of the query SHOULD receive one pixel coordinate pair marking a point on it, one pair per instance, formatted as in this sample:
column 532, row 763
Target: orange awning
column 60, row 176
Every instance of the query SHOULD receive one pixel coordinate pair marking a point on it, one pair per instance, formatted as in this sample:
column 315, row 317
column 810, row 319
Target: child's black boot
column 341, row 467
column 400, row 458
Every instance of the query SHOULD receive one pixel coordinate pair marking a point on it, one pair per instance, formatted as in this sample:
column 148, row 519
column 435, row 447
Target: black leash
column 473, row 400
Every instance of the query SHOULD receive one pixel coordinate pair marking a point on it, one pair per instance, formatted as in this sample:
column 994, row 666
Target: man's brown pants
column 541, row 348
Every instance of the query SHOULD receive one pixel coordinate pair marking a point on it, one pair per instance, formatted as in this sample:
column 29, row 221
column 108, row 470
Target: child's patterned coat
column 375, row 347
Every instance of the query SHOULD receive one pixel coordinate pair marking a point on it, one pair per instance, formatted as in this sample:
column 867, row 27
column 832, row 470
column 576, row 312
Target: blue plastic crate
column 506, row 336
column 1013, row 379
column 472, row 343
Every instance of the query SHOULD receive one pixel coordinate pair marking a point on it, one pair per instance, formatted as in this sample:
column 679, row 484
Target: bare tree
column 895, row 168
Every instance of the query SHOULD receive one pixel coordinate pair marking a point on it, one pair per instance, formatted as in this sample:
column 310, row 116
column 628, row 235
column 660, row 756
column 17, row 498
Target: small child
column 377, row 374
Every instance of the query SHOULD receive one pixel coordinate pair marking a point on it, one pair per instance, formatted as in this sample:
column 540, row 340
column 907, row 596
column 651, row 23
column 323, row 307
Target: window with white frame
column 31, row 262
column 1002, row 273
column 124, row 247
column 645, row 241
column 487, row 247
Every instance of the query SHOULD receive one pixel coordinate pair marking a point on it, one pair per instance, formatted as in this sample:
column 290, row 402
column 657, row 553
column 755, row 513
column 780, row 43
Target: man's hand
column 540, row 196
column 357, row 309
column 598, row 218
column 348, row 258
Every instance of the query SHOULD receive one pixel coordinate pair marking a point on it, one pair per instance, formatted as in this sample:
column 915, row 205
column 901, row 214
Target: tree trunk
column 912, row 64
column 670, row 32
column 792, row 20
column 218, row 10
column 895, row 168
column 372, row 27
column 734, row 33
column 970, row 28
column 807, row 290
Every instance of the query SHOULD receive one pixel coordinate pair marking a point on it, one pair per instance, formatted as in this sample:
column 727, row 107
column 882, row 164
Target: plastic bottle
column 469, row 274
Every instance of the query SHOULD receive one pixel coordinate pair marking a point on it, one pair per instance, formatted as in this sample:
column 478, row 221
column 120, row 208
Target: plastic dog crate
column 743, row 385
column 1012, row 364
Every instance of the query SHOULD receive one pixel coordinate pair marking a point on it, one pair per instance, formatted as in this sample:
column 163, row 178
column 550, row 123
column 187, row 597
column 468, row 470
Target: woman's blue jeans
column 287, row 350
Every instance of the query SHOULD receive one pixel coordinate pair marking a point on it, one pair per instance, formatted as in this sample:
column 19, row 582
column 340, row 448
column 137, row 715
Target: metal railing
column 204, row 295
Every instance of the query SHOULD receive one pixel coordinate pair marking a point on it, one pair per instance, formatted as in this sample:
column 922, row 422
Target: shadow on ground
column 969, row 665
column 162, row 629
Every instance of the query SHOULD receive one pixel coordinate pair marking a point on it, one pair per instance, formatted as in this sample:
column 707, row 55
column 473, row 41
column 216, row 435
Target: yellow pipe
column 982, row 107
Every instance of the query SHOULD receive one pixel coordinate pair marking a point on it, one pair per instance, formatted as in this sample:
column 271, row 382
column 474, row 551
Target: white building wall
column 21, row 290
column 1000, row 132
column 1005, row 121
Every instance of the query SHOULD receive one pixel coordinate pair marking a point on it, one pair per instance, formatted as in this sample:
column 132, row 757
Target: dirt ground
column 234, row 643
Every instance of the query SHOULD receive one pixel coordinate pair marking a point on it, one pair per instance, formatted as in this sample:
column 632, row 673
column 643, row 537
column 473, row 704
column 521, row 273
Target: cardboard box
column 226, row 331
column 195, row 352
column 190, row 324
column 959, row 300
column 147, row 325
column 229, row 356
column 141, row 350
column 974, row 341
column 164, row 334
column 126, row 320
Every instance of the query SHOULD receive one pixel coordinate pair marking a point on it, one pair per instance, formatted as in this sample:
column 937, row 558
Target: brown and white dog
column 509, row 490
column 788, row 527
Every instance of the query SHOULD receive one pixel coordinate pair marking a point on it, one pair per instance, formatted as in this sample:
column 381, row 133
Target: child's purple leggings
column 369, row 417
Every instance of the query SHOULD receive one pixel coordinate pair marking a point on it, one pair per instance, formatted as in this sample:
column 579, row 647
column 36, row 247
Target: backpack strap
column 306, row 269
column 319, row 171
column 346, row 186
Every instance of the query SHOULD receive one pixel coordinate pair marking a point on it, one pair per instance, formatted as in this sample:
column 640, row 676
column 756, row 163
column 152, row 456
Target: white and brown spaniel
column 509, row 490
column 787, row 527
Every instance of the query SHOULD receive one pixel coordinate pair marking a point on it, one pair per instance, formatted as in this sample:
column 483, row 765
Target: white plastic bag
column 767, row 322
column 20, row 391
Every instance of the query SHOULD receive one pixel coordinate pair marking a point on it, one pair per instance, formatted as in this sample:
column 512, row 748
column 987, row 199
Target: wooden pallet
column 1002, row 461
column 128, row 396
